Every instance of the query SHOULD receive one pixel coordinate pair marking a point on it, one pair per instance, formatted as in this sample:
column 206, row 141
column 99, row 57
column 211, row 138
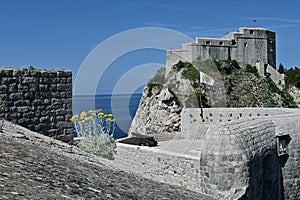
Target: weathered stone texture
column 290, row 163
column 37, row 99
column 295, row 93
column 160, row 165
column 239, row 157
column 231, row 160
column 33, row 166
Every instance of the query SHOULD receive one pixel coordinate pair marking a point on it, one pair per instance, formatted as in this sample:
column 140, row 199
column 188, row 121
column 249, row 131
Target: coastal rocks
column 163, row 98
column 157, row 113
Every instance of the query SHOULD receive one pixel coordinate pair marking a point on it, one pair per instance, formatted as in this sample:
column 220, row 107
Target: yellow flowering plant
column 95, row 130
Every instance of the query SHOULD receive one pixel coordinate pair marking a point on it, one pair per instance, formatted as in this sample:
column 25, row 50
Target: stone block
column 7, row 80
column 16, row 96
column 43, row 87
column 3, row 89
column 34, row 73
column 23, row 109
column 45, row 119
column 29, row 96
column 53, row 88
column 6, row 72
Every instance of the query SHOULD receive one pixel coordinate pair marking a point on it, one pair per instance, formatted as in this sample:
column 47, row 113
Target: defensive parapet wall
column 161, row 165
column 192, row 122
column 232, row 153
column 40, row 100
column 247, row 153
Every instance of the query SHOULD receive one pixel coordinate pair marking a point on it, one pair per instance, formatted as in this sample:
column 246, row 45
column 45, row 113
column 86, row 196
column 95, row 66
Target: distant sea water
column 123, row 104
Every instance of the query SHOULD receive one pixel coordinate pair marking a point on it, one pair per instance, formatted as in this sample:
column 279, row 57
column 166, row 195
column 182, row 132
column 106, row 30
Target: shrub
column 292, row 77
column 235, row 64
column 96, row 130
column 252, row 69
column 31, row 68
column 151, row 86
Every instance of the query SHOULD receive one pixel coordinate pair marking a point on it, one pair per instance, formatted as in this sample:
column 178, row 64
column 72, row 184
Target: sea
column 122, row 106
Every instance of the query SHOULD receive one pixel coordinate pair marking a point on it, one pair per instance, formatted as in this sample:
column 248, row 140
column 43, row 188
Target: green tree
column 292, row 77
column 281, row 69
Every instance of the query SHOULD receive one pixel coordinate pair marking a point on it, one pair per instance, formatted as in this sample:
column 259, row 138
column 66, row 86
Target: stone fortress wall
column 40, row 100
column 241, row 146
column 234, row 153
column 193, row 123
column 254, row 46
column 242, row 153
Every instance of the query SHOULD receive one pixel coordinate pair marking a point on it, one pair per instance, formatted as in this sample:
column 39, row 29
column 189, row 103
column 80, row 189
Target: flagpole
column 200, row 99
column 204, row 80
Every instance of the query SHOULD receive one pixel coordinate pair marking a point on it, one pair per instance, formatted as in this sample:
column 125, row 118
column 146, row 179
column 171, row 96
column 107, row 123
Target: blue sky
column 60, row 34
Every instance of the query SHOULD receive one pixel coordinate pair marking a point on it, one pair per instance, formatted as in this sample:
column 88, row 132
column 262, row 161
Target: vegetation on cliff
column 179, row 87
column 292, row 77
column 234, row 87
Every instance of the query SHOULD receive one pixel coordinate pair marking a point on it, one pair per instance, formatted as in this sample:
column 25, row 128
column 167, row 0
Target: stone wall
column 196, row 127
column 232, row 161
column 288, row 127
column 244, row 153
column 240, row 157
column 159, row 165
column 40, row 100
column 274, row 74
column 247, row 46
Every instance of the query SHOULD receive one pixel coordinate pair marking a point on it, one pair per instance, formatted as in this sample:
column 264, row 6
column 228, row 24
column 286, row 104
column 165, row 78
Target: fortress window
column 245, row 44
column 233, row 42
column 251, row 31
column 221, row 43
column 207, row 42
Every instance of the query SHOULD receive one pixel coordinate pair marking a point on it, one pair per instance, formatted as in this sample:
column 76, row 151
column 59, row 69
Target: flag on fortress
column 205, row 79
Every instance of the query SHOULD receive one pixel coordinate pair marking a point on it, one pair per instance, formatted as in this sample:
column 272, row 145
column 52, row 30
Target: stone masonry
column 232, row 153
column 242, row 156
column 40, row 100
column 254, row 46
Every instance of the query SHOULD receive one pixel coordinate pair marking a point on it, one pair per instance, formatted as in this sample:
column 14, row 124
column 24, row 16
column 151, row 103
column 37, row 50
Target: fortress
column 227, row 153
column 254, row 46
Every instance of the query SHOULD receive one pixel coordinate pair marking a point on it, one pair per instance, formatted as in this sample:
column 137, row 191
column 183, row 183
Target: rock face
column 157, row 113
column 167, row 93
column 160, row 106
column 295, row 93
column 33, row 166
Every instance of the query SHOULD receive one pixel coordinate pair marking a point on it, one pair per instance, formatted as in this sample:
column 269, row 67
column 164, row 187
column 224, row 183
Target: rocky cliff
column 166, row 94
column 295, row 93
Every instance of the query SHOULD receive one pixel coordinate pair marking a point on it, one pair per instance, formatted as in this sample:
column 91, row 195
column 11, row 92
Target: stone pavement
column 33, row 166
column 184, row 146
